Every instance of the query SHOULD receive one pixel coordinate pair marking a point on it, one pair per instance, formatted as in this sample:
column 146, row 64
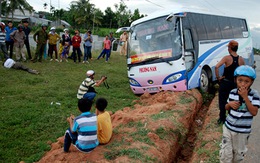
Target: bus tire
column 204, row 81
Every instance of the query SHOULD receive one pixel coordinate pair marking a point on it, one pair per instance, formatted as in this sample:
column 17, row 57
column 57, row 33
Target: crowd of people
column 12, row 37
column 16, row 38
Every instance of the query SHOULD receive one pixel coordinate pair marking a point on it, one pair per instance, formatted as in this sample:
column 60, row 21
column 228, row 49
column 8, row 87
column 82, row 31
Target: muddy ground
column 164, row 127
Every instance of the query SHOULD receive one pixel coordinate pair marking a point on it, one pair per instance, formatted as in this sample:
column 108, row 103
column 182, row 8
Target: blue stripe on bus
column 203, row 58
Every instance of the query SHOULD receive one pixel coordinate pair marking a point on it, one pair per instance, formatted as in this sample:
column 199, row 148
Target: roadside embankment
column 156, row 129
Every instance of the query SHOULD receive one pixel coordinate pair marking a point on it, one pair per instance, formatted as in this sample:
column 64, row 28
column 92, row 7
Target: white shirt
column 9, row 63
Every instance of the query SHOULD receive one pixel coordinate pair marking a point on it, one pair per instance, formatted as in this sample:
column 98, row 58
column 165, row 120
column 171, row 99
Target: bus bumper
column 178, row 86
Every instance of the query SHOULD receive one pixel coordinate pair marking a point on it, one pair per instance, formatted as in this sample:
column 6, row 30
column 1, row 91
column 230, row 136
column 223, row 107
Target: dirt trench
column 186, row 151
column 159, row 128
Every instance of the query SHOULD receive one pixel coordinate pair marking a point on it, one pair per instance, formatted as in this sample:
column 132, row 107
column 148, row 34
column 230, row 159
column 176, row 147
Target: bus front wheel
column 204, row 81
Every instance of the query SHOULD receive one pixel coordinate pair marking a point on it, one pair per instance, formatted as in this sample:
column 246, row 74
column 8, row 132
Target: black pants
column 78, row 51
column 69, row 138
column 11, row 45
column 225, row 87
column 27, row 45
column 3, row 48
column 39, row 52
column 51, row 49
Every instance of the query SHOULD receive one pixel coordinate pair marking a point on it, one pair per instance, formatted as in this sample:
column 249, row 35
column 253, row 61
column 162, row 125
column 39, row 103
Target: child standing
column 65, row 52
column 104, row 124
column 83, row 129
column 243, row 104
column 106, row 49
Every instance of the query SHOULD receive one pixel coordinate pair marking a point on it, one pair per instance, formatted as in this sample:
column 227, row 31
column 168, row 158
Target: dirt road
column 254, row 143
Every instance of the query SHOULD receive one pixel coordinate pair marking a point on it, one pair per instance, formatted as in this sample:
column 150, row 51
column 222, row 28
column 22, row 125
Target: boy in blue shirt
column 83, row 129
column 243, row 104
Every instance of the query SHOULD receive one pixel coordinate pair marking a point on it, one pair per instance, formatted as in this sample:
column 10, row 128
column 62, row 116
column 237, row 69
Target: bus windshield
column 155, row 39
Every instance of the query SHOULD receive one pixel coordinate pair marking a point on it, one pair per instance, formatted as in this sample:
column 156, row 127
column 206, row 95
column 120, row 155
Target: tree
column 21, row 5
column 83, row 12
column 97, row 17
column 136, row 15
column 3, row 6
column 123, row 16
column 109, row 20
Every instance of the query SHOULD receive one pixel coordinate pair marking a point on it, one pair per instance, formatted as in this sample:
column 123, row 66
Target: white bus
column 177, row 50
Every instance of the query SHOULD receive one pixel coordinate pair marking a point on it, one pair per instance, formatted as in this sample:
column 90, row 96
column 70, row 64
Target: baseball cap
column 232, row 44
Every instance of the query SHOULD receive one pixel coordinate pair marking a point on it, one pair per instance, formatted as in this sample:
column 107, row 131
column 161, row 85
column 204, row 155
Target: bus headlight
column 172, row 78
column 133, row 82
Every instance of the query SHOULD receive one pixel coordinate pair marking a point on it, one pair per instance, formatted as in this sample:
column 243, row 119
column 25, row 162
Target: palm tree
column 84, row 11
column 21, row 5
column 2, row 8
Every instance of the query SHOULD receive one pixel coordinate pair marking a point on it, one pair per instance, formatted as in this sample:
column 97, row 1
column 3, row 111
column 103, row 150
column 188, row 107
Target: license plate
column 152, row 89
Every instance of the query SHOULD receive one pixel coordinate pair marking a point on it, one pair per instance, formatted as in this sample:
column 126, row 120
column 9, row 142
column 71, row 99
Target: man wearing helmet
column 19, row 36
column 242, row 105
column 40, row 37
column 226, row 82
column 53, row 39
column 2, row 40
column 86, row 89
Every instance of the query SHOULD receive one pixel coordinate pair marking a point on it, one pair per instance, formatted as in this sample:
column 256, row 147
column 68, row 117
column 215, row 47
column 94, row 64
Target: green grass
column 29, row 121
column 132, row 153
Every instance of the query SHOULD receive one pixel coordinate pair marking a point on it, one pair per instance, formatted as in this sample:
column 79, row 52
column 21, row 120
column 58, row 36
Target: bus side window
column 189, row 56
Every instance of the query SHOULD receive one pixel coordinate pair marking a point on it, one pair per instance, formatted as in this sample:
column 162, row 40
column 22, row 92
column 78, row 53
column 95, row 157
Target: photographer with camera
column 86, row 89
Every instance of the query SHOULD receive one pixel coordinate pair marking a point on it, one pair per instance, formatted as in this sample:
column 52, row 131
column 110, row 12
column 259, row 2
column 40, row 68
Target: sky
column 249, row 9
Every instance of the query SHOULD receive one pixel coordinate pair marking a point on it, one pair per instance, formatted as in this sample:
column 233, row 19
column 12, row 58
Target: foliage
column 83, row 14
column 10, row 6
column 29, row 121
column 256, row 51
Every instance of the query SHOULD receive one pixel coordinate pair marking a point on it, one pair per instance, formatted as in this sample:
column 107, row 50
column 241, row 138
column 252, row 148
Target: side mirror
column 114, row 45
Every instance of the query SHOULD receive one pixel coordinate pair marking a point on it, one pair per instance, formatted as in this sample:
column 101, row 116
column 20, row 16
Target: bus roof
column 178, row 9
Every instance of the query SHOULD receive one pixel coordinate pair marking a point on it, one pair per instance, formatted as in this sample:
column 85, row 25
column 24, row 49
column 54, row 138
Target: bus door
column 189, row 52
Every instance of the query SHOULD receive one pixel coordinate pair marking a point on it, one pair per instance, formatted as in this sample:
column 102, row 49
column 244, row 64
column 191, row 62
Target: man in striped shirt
column 2, row 40
column 83, row 129
column 243, row 104
column 86, row 89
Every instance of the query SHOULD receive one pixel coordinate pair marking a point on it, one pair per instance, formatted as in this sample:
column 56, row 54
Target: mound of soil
column 154, row 130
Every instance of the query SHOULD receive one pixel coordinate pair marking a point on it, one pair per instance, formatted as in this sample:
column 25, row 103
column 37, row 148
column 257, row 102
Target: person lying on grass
column 10, row 63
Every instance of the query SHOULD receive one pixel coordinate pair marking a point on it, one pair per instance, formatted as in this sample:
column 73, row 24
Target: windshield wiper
column 151, row 59
column 155, row 58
